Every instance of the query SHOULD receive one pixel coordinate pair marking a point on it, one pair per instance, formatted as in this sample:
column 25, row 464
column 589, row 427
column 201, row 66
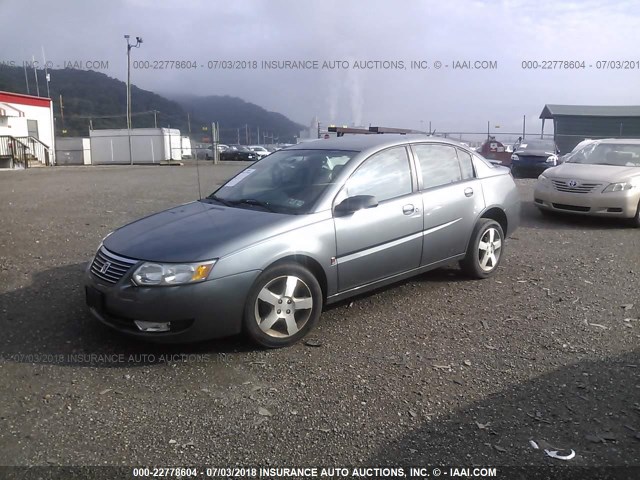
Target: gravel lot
column 436, row 370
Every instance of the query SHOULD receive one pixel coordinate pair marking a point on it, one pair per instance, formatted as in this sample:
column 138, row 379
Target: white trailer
column 185, row 144
column 148, row 145
column 73, row 151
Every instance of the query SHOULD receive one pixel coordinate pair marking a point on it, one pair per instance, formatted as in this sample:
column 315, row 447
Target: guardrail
column 13, row 152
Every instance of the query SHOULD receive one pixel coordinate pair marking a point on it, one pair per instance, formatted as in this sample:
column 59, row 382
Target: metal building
column 574, row 123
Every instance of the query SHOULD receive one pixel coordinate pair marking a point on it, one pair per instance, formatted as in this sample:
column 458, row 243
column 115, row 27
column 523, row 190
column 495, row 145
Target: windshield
column 618, row 154
column 287, row 181
column 546, row 145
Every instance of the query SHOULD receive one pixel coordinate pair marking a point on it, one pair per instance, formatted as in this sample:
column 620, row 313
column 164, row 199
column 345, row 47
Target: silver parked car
column 602, row 178
column 304, row 227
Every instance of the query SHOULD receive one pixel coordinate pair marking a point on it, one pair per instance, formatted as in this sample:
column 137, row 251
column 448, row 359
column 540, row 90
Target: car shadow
column 531, row 217
column 47, row 321
column 590, row 407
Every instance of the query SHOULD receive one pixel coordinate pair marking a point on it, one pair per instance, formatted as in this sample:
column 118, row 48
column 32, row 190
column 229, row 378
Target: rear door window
column 439, row 164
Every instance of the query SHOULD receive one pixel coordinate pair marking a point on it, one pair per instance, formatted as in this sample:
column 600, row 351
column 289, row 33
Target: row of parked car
column 250, row 153
column 599, row 177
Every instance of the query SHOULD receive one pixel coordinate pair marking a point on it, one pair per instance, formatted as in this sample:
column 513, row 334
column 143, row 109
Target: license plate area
column 95, row 298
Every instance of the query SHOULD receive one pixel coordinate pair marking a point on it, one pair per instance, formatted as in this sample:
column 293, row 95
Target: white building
column 26, row 129
column 148, row 145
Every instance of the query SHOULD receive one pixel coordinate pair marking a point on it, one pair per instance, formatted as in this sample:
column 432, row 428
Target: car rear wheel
column 485, row 249
column 283, row 305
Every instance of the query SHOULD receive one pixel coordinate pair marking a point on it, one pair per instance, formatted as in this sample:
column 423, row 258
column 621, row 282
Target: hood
column 595, row 173
column 194, row 231
column 534, row 153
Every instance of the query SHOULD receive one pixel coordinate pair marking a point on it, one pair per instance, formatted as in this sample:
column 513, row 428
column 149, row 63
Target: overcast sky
column 507, row 32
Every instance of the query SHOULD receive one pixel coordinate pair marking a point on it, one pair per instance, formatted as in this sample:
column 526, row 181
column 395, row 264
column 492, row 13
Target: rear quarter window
column 483, row 167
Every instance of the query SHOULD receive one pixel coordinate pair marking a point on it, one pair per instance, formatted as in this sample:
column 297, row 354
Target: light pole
column 129, row 47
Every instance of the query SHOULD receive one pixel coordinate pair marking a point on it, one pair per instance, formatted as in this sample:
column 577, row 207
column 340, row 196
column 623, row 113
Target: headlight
column 164, row 274
column 622, row 186
column 515, row 157
column 542, row 180
column 552, row 159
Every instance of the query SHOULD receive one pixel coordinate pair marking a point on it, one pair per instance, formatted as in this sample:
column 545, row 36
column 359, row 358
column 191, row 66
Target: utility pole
column 215, row 141
column 189, row 123
column 155, row 119
column 35, row 74
column 524, row 125
column 26, row 78
column 46, row 72
column 238, row 135
column 246, row 134
column 62, row 112
column 318, row 129
column 129, row 47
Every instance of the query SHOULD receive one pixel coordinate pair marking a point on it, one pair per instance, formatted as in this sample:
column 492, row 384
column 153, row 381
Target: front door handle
column 408, row 209
column 468, row 192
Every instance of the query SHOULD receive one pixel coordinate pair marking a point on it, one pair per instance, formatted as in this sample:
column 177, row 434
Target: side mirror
column 355, row 203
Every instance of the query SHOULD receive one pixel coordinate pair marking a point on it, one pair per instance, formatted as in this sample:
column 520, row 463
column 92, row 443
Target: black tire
column 635, row 221
column 283, row 326
column 472, row 264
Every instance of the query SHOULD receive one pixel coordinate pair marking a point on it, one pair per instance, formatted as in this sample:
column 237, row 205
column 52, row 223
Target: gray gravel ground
column 437, row 369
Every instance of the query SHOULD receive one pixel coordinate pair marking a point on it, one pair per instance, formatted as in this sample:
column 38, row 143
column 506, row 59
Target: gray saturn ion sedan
column 302, row 228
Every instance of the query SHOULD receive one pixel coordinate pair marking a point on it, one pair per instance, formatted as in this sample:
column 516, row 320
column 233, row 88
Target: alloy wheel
column 283, row 306
column 490, row 247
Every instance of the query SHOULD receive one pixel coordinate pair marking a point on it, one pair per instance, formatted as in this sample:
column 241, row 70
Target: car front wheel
column 485, row 249
column 635, row 221
column 283, row 305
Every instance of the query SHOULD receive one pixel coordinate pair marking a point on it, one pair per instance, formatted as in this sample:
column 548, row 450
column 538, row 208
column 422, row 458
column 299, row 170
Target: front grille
column 532, row 158
column 573, row 208
column 116, row 268
column 579, row 187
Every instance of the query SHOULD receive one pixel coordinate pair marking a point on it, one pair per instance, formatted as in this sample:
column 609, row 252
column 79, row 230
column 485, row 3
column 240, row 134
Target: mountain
column 93, row 98
column 241, row 120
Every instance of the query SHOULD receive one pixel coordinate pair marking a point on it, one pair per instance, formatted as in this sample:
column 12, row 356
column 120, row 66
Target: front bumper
column 194, row 312
column 611, row 204
column 529, row 168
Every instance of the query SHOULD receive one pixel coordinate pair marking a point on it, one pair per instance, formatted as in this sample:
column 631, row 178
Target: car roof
column 624, row 141
column 365, row 142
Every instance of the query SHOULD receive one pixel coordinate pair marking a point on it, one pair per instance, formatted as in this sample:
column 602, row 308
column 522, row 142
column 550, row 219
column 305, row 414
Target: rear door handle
column 468, row 192
column 408, row 209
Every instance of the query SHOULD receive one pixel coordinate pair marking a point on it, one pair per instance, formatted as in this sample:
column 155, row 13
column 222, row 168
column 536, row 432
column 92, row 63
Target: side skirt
column 392, row 279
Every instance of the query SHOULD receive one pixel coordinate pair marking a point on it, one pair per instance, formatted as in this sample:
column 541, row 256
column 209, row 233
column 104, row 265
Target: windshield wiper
column 253, row 201
column 220, row 200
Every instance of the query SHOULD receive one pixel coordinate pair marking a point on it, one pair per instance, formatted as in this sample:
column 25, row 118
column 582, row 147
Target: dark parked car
column 534, row 156
column 304, row 227
column 238, row 153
